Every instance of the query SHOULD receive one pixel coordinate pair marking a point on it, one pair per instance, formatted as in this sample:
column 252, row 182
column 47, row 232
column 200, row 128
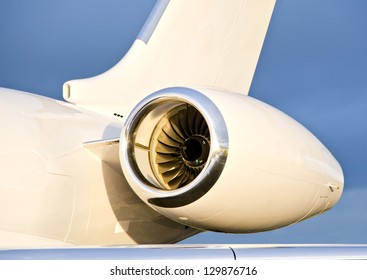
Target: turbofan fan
column 181, row 145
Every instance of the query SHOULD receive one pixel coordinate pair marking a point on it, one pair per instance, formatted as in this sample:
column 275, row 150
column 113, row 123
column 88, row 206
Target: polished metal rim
column 205, row 126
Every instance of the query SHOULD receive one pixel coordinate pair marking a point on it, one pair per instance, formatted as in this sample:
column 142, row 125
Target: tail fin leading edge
column 213, row 43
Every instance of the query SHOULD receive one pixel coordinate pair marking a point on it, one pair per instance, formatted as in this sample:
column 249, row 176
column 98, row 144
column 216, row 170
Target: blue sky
column 313, row 67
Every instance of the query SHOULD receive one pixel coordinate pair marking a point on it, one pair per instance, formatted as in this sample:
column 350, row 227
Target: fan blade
column 171, row 165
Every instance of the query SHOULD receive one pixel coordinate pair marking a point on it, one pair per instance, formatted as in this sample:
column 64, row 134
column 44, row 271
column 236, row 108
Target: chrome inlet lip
column 216, row 158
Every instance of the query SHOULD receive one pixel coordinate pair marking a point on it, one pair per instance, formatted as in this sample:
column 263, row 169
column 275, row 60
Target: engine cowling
column 226, row 162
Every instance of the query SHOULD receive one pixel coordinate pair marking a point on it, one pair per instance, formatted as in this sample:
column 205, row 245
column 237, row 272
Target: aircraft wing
column 192, row 252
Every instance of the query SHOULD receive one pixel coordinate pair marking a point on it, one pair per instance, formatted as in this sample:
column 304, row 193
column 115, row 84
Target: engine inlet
column 180, row 147
column 174, row 147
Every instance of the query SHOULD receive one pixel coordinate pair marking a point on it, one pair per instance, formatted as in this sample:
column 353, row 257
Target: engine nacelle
column 226, row 162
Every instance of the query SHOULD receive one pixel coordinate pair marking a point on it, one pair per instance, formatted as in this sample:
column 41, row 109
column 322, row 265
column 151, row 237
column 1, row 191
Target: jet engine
column 225, row 162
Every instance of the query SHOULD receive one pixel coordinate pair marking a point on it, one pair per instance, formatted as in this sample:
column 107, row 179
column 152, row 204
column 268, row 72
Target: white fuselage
column 54, row 188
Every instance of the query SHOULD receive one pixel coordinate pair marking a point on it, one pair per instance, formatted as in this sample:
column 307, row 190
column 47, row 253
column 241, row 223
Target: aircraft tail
column 211, row 43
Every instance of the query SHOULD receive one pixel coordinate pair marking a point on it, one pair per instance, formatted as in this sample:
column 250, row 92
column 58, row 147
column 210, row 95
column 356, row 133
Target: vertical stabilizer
column 213, row 43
